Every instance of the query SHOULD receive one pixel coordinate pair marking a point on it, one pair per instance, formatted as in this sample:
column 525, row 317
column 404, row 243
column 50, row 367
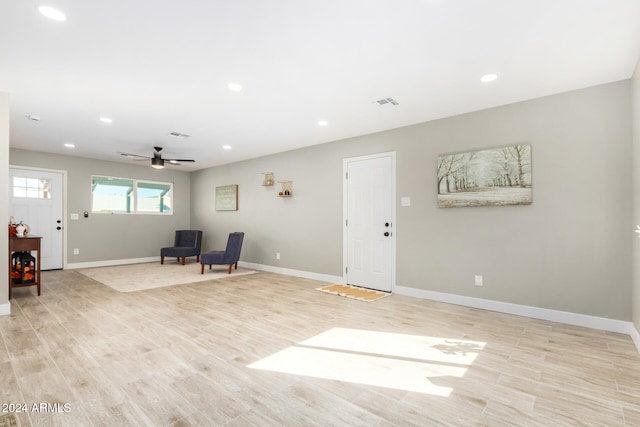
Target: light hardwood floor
column 266, row 349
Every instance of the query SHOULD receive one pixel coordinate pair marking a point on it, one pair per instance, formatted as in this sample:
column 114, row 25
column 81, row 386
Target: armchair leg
column 162, row 259
column 183, row 260
column 236, row 265
column 201, row 268
column 230, row 265
column 197, row 258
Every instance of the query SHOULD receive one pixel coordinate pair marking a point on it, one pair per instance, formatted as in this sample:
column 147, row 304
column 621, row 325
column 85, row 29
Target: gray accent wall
column 570, row 250
column 109, row 237
column 306, row 228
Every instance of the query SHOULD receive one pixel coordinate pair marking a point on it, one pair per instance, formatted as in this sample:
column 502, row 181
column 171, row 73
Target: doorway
column 369, row 249
column 36, row 197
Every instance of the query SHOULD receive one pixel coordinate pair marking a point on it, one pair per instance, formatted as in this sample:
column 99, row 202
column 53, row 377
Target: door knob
column 386, row 234
column 58, row 228
column 386, row 224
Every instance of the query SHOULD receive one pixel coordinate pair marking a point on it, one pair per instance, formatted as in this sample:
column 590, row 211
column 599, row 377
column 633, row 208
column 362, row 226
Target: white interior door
column 369, row 221
column 36, row 198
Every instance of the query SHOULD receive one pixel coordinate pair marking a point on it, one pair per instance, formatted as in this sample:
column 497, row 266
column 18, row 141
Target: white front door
column 36, row 198
column 369, row 221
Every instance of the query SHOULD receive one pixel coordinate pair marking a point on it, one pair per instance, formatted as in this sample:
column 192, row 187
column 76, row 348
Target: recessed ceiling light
column 236, row 87
column 69, row 145
column 488, row 78
column 106, row 120
column 33, row 118
column 226, row 147
column 323, row 123
column 52, row 13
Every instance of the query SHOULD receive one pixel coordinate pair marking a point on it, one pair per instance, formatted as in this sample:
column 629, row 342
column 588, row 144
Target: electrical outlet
column 76, row 251
column 478, row 280
column 277, row 255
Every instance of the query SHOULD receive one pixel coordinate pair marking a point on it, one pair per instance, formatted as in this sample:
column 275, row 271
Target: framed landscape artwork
column 227, row 198
column 492, row 177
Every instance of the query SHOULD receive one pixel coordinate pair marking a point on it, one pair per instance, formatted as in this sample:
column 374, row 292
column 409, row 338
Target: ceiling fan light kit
column 157, row 163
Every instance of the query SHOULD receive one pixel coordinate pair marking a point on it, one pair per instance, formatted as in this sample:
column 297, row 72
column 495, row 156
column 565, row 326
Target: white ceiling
column 157, row 67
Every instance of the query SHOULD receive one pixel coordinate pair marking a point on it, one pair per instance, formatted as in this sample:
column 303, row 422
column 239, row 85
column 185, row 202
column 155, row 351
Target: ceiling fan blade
column 134, row 156
column 180, row 160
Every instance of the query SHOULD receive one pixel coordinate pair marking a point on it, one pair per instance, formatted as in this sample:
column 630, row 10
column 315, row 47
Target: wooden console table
column 25, row 244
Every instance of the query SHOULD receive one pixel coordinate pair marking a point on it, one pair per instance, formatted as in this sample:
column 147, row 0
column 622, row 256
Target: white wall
column 4, row 201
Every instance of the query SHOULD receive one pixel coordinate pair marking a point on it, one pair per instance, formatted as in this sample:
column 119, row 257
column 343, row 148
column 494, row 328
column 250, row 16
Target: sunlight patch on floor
column 383, row 359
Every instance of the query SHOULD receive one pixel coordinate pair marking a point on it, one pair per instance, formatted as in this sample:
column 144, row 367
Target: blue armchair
column 229, row 256
column 187, row 243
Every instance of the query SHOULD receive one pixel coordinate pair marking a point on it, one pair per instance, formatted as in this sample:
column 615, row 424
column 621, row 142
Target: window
column 122, row 195
column 31, row 188
column 112, row 195
column 154, row 197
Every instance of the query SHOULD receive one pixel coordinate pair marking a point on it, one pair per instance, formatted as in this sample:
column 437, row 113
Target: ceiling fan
column 157, row 162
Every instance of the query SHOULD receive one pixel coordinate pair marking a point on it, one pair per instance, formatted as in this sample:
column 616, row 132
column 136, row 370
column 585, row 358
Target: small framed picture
column 227, row 198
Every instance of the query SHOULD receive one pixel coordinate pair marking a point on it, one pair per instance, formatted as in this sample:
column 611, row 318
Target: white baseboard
column 575, row 319
column 635, row 336
column 289, row 272
column 111, row 262
column 5, row 309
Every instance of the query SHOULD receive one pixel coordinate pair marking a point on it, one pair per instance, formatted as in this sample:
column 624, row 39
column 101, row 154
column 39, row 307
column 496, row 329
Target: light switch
column 75, row 216
column 405, row 201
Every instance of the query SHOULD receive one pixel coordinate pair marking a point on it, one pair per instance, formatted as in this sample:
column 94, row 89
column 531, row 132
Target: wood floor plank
column 10, row 390
column 31, row 360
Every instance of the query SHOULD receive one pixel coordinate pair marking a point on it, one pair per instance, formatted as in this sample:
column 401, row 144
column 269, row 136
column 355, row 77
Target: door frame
column 345, row 205
column 64, row 203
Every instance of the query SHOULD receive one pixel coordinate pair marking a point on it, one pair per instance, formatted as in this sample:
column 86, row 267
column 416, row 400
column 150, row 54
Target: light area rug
column 139, row 277
column 354, row 292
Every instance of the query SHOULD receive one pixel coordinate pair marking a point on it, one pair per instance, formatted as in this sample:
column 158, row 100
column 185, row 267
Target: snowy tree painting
column 494, row 177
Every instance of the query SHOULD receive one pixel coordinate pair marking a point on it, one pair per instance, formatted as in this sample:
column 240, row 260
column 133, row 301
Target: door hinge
column 346, row 269
column 346, row 175
column 346, row 222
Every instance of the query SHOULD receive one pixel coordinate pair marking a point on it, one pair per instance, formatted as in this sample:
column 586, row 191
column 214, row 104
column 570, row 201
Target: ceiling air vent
column 180, row 135
column 386, row 101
